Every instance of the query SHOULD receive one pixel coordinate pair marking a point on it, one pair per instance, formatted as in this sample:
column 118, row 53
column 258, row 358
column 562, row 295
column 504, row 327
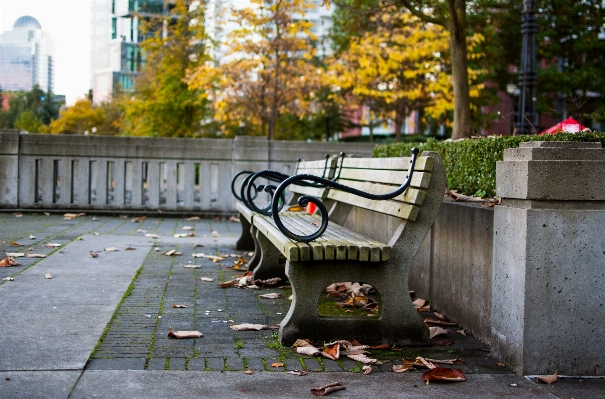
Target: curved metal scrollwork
column 249, row 190
column 305, row 199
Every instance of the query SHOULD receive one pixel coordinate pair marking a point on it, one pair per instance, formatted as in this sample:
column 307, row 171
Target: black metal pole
column 527, row 120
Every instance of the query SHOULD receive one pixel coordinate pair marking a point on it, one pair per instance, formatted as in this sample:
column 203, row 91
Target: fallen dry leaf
column 32, row 237
column 187, row 228
column 500, row 364
column 95, row 219
column 228, row 284
column 15, row 254
column 207, row 279
column 299, row 373
column 110, row 249
column 440, row 322
column 367, row 370
column 9, row 261
column 273, row 295
column 435, row 331
column 179, row 306
column 94, row 254
column 249, row 372
column 36, row 256
column 215, row 233
column 193, row 218
column 276, row 365
column 380, row 347
column 419, row 303
column 138, row 219
column 48, row 275
column 361, row 358
column 463, row 331
column 184, row 334
column 8, row 279
column 52, row 245
column 295, row 208
column 233, row 219
column 15, row 244
column 443, row 374
column 332, row 351
column 95, row 234
column 248, row 327
column 172, row 252
column 327, row 389
column 402, row 368
column 548, row 379
column 444, row 361
column 183, row 235
column 426, row 363
column 150, row 235
column 69, row 216
column 129, row 248
column 214, row 258
column 17, row 214
column 308, row 350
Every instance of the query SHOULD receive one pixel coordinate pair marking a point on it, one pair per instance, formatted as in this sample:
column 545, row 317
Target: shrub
column 471, row 164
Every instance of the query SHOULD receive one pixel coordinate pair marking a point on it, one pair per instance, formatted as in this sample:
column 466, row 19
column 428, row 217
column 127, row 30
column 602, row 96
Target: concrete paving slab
column 175, row 385
column 54, row 324
column 37, row 384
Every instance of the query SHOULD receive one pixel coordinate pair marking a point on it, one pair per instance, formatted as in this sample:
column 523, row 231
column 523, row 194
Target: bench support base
column 268, row 264
column 245, row 241
column 399, row 322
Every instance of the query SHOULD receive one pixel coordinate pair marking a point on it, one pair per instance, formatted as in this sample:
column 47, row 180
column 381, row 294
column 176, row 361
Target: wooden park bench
column 266, row 261
column 319, row 251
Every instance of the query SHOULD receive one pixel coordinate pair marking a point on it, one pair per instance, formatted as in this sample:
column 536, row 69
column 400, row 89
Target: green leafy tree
column 267, row 70
column 29, row 121
column 163, row 104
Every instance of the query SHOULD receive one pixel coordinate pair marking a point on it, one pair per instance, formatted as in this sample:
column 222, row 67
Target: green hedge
column 471, row 164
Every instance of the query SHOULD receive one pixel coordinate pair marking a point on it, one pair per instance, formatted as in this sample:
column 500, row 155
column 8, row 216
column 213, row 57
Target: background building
column 116, row 57
column 26, row 57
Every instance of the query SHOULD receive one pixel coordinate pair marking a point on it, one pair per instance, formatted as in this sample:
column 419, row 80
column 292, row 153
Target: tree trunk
column 462, row 110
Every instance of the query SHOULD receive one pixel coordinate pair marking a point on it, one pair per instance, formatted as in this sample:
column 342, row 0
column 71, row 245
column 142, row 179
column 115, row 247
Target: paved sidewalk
column 98, row 328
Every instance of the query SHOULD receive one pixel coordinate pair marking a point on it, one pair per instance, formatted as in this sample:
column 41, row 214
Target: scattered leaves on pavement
column 299, row 373
column 248, row 327
column 443, row 374
column 327, row 389
column 548, row 379
column 184, row 334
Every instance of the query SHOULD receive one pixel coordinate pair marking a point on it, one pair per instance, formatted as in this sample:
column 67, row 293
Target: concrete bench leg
column 268, row 264
column 254, row 261
column 398, row 324
column 245, row 241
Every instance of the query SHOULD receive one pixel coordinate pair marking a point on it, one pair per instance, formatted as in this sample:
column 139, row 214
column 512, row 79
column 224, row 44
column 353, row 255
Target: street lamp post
column 513, row 92
column 527, row 117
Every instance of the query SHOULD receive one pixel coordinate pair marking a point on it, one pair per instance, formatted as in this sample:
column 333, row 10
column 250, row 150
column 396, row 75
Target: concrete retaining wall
column 140, row 173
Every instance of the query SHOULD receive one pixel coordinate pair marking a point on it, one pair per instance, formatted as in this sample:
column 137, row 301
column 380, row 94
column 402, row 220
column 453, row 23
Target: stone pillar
column 548, row 281
column 9, row 168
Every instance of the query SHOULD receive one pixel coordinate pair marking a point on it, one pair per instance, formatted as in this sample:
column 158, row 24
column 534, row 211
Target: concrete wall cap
column 558, row 144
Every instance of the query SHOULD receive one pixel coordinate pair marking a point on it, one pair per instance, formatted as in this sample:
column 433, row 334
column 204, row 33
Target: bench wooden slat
column 291, row 250
column 389, row 207
column 290, row 221
column 422, row 163
column 315, row 192
column 411, row 195
column 396, row 177
column 376, row 250
column 304, row 221
column 243, row 209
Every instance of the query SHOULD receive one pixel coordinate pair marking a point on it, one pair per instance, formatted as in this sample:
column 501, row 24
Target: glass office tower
column 26, row 56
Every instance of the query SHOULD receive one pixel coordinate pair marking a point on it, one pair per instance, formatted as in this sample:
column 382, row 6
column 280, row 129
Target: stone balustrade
column 140, row 174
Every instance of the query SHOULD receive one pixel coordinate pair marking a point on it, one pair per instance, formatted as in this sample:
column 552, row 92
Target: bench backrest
column 382, row 176
column 315, row 168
